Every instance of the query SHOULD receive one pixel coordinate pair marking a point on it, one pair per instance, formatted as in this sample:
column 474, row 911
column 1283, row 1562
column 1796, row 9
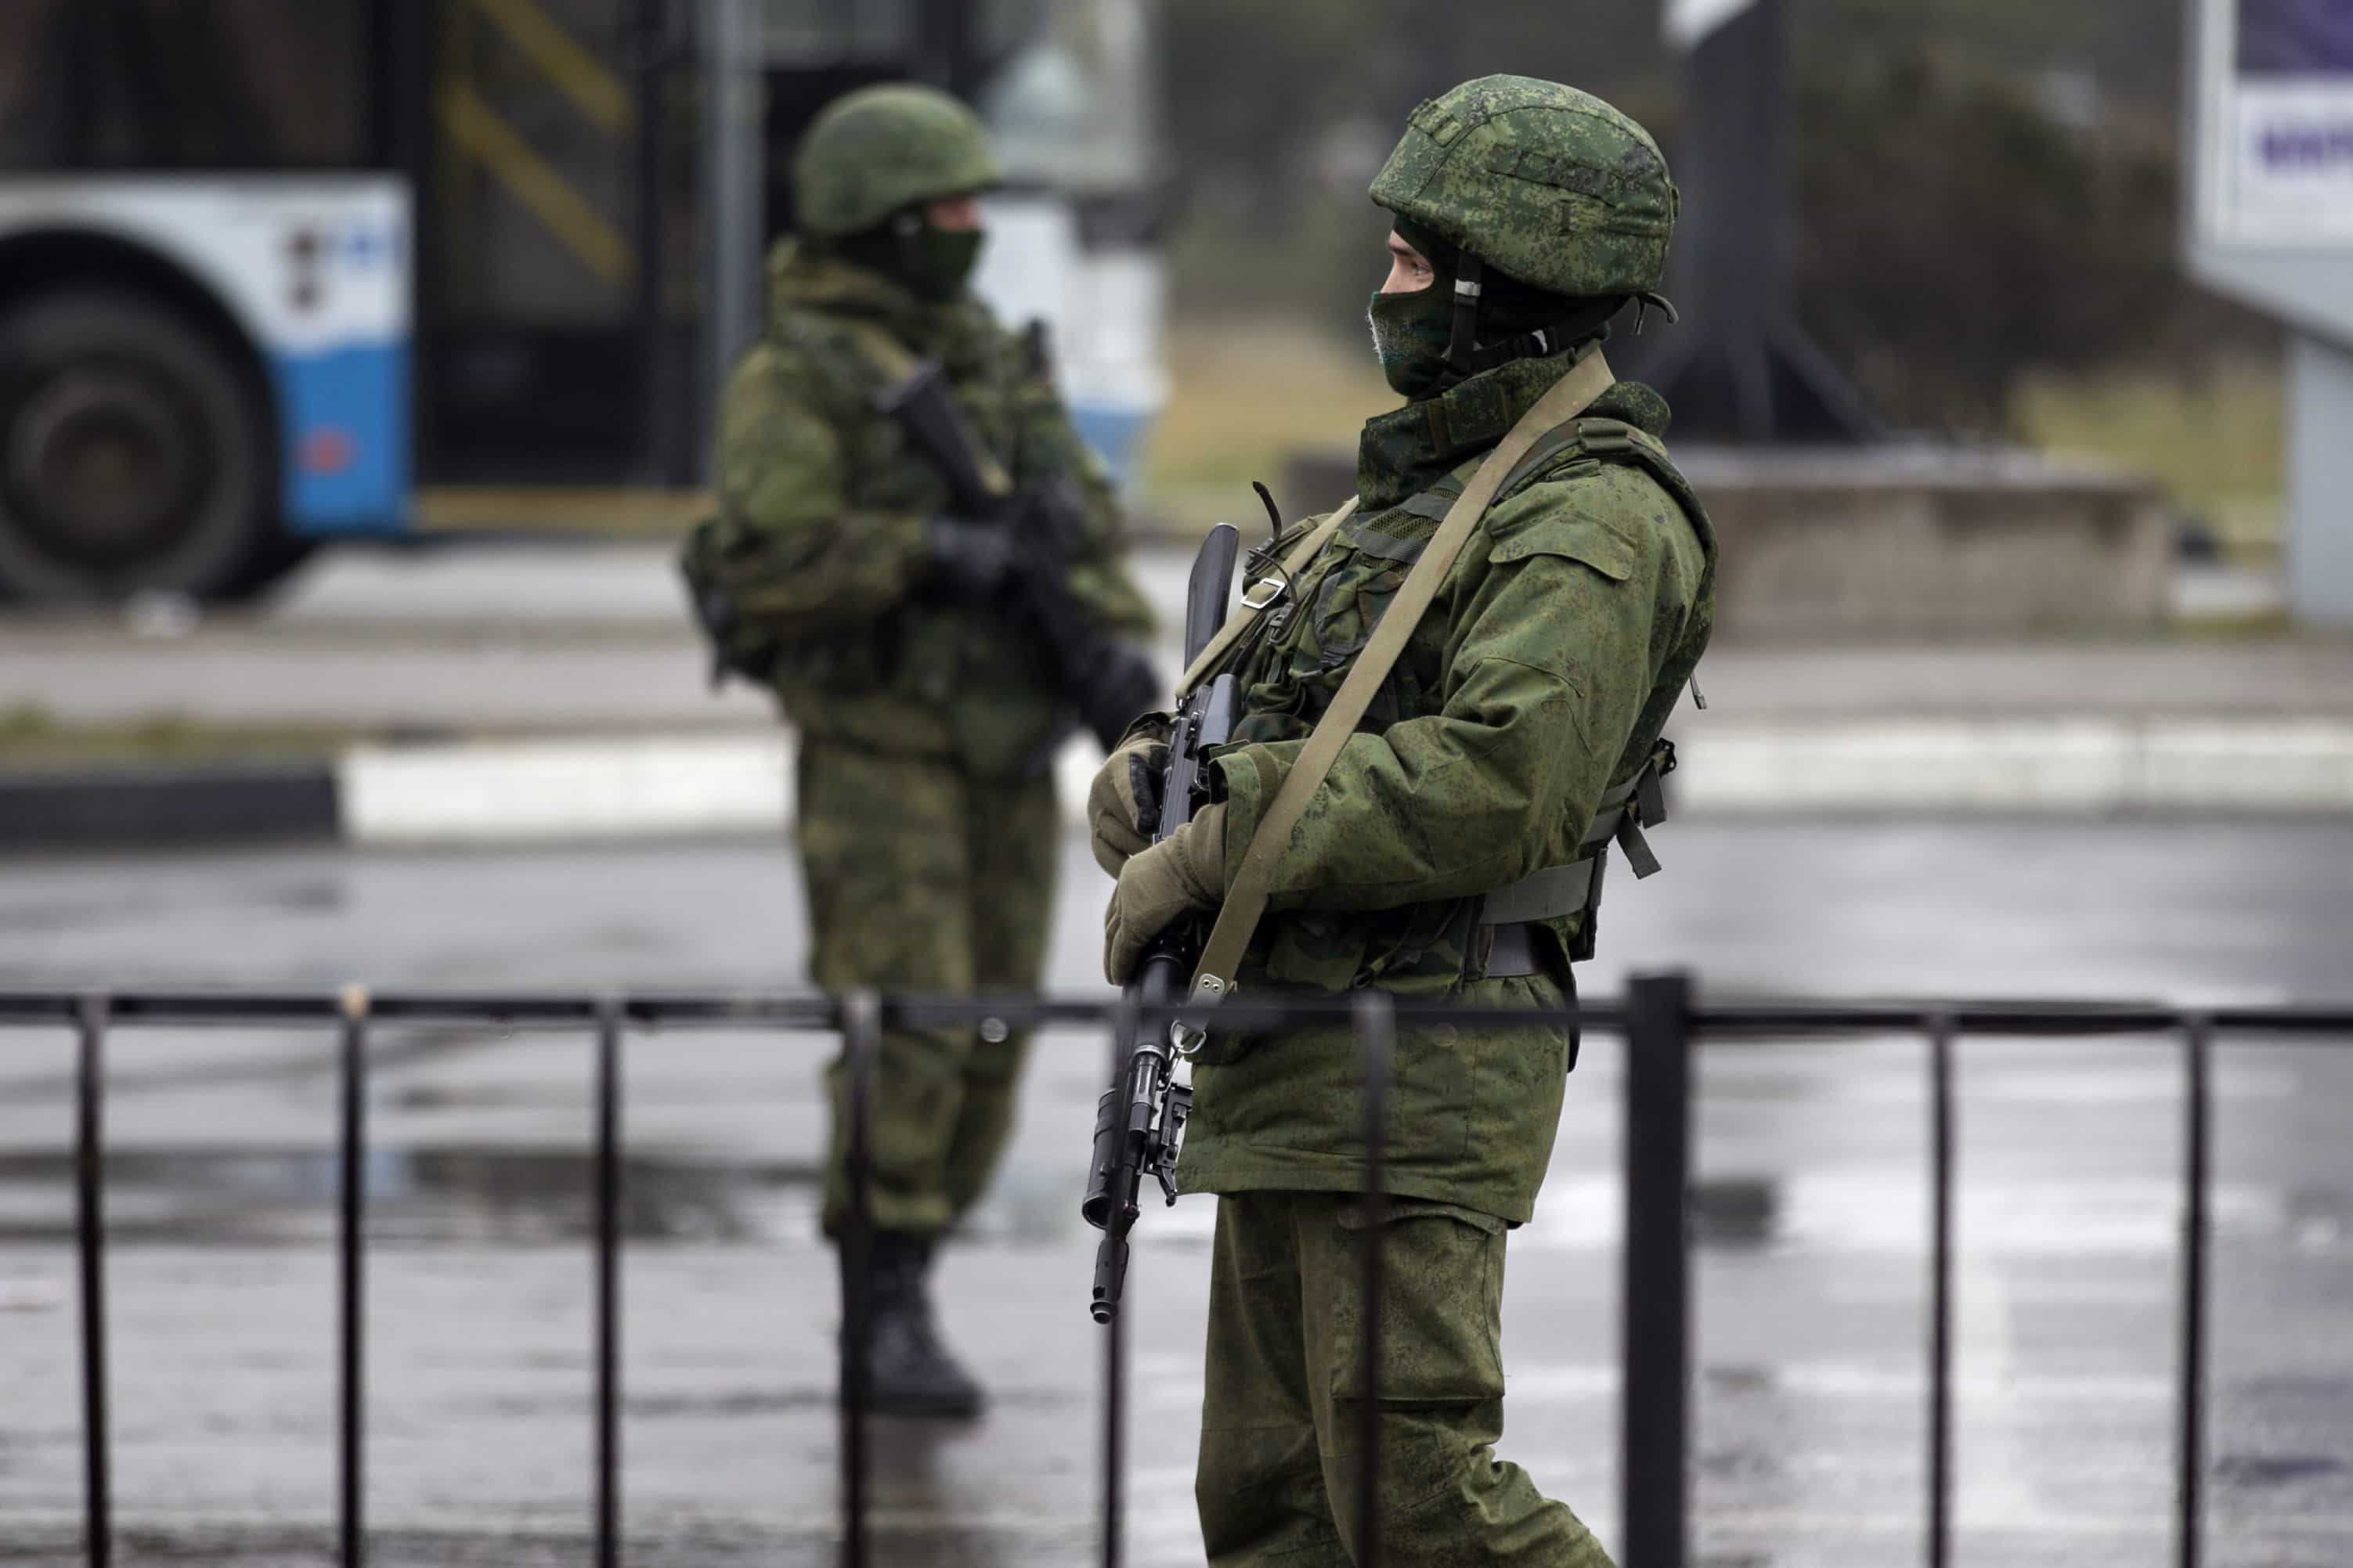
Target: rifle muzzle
column 1111, row 1277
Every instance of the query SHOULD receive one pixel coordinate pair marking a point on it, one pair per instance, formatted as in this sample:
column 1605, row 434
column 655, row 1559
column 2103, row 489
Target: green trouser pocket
column 1441, row 1304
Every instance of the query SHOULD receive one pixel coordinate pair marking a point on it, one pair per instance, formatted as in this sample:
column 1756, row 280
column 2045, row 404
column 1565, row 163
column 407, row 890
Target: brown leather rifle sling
column 1246, row 895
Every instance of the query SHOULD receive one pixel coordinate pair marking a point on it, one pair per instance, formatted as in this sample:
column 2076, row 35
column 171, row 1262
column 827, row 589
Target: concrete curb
column 2068, row 767
column 611, row 789
column 133, row 807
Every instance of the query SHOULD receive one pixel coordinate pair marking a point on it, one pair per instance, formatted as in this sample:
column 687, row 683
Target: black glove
column 1114, row 690
column 965, row 560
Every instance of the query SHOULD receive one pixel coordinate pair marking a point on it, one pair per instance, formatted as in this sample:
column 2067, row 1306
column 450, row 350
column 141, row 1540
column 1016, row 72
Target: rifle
column 1140, row 1120
column 1108, row 683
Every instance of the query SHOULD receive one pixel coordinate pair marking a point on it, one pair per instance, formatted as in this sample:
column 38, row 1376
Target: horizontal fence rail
column 1659, row 1019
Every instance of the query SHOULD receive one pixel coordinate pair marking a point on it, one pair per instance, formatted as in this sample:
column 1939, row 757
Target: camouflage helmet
column 873, row 152
column 1543, row 183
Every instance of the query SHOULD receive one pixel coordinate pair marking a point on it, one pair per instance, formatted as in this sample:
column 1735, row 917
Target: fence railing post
column 351, row 1295
column 2196, row 1040
column 609, row 1013
column 1657, row 1323
column 862, row 1043
column 1940, row 1287
column 1124, row 1025
column 90, row 1235
column 1375, row 1023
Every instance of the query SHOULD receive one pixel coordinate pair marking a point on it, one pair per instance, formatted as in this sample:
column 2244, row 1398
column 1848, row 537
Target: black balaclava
column 933, row 264
column 1471, row 319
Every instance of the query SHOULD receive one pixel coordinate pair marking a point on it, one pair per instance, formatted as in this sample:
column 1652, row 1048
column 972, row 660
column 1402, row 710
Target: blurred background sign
column 2271, row 226
column 2279, row 96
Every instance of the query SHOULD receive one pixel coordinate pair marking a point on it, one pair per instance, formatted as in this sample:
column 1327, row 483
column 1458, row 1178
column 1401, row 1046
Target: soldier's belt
column 1512, row 952
column 1558, row 891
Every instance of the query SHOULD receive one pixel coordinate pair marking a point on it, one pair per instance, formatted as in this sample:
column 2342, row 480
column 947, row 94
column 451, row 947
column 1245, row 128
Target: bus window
column 537, row 353
column 221, row 84
column 531, row 178
column 35, row 110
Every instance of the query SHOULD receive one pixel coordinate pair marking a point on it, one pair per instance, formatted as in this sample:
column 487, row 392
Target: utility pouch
column 735, row 648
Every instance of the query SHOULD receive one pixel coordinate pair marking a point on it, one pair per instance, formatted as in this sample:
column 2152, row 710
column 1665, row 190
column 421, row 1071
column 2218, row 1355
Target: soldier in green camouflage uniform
column 927, row 707
column 1526, row 708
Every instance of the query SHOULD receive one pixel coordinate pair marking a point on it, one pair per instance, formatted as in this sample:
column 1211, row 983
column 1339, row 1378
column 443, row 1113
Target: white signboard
column 2278, row 124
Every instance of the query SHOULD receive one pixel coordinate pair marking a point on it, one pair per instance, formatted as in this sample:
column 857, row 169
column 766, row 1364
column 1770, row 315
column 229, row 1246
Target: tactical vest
column 932, row 678
column 1293, row 674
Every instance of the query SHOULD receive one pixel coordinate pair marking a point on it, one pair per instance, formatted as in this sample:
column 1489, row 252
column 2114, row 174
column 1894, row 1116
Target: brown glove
column 1126, row 796
column 1161, row 884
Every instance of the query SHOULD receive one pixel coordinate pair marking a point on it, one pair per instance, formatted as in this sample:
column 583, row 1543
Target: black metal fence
column 1659, row 1020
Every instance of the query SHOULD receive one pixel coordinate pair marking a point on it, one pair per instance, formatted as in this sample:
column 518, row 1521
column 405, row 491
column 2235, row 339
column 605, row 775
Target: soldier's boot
column 910, row 1370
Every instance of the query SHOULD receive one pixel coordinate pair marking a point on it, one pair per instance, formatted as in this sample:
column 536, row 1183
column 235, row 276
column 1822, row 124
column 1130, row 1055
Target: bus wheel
column 135, row 453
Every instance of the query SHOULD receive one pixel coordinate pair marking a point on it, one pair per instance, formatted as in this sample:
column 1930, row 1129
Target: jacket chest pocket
column 1324, row 623
column 1337, row 610
column 1348, row 606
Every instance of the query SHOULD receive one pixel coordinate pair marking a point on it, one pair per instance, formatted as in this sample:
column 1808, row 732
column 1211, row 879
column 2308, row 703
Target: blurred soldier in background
column 894, row 607
column 1455, row 845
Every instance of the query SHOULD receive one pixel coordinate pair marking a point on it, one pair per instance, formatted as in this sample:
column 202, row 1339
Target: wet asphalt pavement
column 1812, row 1220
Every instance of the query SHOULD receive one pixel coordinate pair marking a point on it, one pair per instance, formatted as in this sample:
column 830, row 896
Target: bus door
column 544, row 354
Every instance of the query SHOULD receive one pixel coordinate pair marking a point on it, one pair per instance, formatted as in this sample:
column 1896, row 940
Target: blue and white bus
column 280, row 271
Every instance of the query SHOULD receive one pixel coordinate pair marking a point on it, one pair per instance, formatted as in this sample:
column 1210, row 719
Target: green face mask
column 933, row 264
column 1410, row 333
column 936, row 263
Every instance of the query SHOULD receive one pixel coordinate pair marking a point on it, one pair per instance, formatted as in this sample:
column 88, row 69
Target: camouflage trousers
column 1277, row 1480
column 923, row 878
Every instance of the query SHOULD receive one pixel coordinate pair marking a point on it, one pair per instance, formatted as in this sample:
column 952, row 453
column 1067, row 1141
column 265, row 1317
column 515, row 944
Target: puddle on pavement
column 1735, row 1211
column 442, row 1194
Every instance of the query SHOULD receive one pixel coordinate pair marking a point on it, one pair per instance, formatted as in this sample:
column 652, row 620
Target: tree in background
column 1986, row 189
column 1955, row 234
column 1280, row 115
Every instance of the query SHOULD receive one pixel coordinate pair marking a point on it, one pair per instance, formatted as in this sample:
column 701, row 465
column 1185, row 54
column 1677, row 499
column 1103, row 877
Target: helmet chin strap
column 1550, row 339
column 1461, row 348
column 1466, row 356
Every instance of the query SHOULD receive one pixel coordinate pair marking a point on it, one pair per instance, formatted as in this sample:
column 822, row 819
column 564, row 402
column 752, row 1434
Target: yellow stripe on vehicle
column 593, row 87
column 476, row 127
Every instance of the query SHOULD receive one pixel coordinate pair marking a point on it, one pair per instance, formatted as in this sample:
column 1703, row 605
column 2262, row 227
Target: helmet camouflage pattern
column 873, row 152
column 1543, row 183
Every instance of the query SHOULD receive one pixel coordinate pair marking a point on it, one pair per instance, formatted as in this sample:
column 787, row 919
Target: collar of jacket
column 802, row 279
column 1406, row 451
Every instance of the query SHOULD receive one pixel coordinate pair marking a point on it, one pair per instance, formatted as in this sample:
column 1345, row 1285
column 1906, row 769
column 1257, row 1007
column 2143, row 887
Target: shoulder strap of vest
column 1609, row 440
column 1614, row 440
column 1247, row 894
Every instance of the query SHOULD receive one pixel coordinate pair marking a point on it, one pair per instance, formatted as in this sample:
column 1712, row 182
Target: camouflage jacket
column 1542, row 674
column 825, row 503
